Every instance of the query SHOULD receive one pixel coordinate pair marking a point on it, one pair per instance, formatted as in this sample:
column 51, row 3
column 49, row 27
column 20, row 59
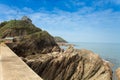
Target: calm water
column 108, row 51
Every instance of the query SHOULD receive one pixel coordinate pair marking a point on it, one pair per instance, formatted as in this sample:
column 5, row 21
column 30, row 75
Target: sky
column 73, row 20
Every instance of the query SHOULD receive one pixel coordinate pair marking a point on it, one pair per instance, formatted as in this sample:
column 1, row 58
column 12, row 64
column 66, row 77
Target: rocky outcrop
column 71, row 64
column 118, row 73
column 38, row 43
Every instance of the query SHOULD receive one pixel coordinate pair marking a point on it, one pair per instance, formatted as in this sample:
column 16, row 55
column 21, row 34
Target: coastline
column 107, row 51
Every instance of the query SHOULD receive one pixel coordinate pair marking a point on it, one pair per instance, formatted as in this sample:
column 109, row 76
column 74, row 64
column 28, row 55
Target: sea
column 107, row 51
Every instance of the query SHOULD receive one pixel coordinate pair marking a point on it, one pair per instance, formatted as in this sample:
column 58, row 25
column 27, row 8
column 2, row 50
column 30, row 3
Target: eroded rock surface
column 71, row 64
column 118, row 73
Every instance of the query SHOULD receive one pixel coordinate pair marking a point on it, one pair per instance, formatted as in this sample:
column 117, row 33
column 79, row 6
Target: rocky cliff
column 71, row 64
column 27, row 38
column 37, row 43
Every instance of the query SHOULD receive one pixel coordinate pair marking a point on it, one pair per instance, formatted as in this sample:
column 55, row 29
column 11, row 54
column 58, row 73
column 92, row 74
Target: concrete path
column 13, row 68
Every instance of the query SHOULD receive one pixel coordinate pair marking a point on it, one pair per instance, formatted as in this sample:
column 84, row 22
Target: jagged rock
column 118, row 73
column 71, row 64
column 55, row 49
column 69, row 49
column 25, row 18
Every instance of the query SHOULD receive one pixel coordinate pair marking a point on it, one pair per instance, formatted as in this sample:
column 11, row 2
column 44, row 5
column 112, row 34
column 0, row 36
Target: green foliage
column 0, row 35
column 3, row 24
column 16, row 26
column 59, row 39
column 40, row 35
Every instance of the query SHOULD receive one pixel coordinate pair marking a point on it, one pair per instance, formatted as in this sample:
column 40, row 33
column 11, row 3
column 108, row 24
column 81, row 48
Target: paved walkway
column 13, row 68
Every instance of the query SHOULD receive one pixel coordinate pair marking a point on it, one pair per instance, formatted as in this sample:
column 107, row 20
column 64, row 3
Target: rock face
column 71, row 64
column 118, row 73
column 37, row 43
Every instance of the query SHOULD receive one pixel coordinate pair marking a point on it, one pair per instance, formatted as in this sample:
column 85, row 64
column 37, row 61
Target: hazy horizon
column 74, row 20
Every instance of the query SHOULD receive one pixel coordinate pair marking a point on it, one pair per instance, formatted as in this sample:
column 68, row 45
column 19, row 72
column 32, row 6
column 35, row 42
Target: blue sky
column 74, row 20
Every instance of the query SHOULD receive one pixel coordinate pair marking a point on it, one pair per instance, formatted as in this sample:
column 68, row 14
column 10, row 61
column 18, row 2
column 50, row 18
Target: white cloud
column 26, row 9
column 77, row 2
column 6, row 10
column 83, row 25
column 95, row 26
column 73, row 3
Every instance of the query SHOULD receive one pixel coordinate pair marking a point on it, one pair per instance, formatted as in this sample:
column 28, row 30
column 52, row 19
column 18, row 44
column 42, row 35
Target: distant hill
column 59, row 39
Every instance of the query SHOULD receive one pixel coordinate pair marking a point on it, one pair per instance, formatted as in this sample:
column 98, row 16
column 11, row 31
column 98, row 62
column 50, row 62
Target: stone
column 118, row 73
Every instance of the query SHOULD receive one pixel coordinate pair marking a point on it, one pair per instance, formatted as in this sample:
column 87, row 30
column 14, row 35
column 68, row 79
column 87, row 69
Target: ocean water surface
column 108, row 51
